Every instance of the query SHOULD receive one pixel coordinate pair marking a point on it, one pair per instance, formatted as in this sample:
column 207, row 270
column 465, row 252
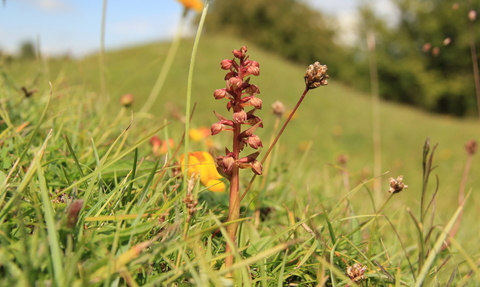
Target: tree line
column 424, row 59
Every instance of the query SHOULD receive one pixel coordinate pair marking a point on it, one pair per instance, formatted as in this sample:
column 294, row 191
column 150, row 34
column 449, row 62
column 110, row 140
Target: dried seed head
column 471, row 147
column 356, row 272
column 342, row 159
column 126, row 100
column 472, row 15
column 397, row 185
column 278, row 108
column 316, row 76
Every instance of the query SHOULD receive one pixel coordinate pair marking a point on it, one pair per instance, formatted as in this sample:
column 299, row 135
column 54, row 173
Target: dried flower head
column 126, row 100
column 356, row 272
column 471, row 147
column 316, row 76
column 472, row 15
column 342, row 159
column 278, row 108
column 397, row 185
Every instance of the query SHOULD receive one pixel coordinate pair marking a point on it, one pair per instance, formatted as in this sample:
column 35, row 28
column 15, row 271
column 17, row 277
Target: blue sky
column 73, row 26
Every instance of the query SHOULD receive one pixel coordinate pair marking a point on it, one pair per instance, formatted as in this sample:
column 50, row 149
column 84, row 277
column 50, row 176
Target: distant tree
column 289, row 28
column 27, row 50
column 425, row 59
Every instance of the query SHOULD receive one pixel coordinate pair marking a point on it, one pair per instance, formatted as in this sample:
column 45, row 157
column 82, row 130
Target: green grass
column 81, row 149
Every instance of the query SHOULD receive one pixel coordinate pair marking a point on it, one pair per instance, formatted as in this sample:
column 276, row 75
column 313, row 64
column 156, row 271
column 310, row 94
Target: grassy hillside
column 333, row 120
column 336, row 119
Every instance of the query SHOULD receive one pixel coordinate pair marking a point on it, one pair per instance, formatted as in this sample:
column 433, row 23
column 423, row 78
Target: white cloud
column 132, row 27
column 50, row 5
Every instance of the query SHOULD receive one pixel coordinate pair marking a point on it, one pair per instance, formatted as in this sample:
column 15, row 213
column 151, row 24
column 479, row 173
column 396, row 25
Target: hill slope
column 335, row 119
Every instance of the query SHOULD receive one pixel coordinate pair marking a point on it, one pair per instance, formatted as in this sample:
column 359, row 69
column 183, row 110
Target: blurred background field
column 337, row 120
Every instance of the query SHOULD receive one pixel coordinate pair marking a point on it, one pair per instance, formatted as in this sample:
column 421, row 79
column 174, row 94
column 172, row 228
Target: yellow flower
column 201, row 165
column 199, row 134
column 196, row 5
column 202, row 134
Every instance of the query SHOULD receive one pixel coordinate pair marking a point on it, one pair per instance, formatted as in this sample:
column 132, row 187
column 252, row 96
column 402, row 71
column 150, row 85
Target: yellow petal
column 215, row 185
column 196, row 5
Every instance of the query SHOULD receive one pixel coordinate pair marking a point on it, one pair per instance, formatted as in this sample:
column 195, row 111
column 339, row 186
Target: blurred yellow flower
column 202, row 134
column 199, row 134
column 196, row 5
column 201, row 164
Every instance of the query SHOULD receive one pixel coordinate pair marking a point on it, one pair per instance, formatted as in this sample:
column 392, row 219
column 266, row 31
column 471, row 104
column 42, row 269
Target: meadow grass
column 67, row 144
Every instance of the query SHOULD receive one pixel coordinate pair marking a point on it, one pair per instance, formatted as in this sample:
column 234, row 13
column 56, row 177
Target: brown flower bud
column 216, row 128
column 126, row 100
column 226, row 64
column 397, row 185
column 252, row 89
column 230, row 75
column 254, row 141
column 227, row 163
column 220, row 94
column 471, row 147
column 455, row 6
column 240, row 116
column 257, row 167
column 316, row 76
column 252, row 70
column 256, row 102
column 278, row 108
column 240, row 53
column 233, row 83
column 73, row 212
column 436, row 51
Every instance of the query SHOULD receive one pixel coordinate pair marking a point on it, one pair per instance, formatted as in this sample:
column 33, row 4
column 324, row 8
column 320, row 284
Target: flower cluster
column 316, row 76
column 240, row 94
column 397, row 185
column 356, row 272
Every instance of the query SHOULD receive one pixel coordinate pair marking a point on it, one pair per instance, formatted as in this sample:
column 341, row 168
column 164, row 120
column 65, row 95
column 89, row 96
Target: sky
column 74, row 26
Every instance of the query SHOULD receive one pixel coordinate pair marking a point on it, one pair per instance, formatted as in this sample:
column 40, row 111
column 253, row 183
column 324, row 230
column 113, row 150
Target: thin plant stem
column 101, row 55
column 377, row 152
column 234, row 201
column 476, row 74
column 461, row 198
column 270, row 148
column 189, row 85
column 188, row 101
column 166, row 66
